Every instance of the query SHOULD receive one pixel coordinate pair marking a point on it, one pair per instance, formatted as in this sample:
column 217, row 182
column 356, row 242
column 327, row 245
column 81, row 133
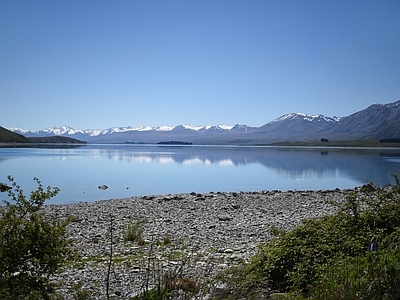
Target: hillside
column 7, row 136
column 375, row 122
column 55, row 140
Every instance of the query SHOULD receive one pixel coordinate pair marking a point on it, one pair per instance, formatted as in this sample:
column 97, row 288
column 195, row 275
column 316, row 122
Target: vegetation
column 174, row 143
column 340, row 143
column 133, row 231
column 55, row 139
column 32, row 246
column 353, row 254
column 7, row 136
column 160, row 282
column 390, row 140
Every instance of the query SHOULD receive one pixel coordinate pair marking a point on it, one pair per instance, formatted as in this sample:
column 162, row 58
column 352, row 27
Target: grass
column 353, row 254
column 134, row 231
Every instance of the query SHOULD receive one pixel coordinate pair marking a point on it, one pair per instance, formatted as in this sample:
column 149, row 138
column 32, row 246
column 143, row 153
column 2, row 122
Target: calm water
column 131, row 170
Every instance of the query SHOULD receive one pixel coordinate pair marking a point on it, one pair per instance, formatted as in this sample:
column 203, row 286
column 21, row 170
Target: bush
column 134, row 231
column 354, row 252
column 371, row 276
column 32, row 246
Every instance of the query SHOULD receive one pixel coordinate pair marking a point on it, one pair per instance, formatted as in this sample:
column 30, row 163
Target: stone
column 224, row 218
column 220, row 230
column 368, row 188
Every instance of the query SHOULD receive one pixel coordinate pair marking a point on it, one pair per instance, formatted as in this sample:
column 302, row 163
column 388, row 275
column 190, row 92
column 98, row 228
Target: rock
column 368, row 188
column 175, row 294
column 224, row 218
column 219, row 229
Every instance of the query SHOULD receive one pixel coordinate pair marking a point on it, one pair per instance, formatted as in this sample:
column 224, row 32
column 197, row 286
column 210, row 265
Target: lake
column 135, row 170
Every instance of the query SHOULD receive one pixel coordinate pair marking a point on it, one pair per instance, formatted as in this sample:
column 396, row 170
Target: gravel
column 186, row 235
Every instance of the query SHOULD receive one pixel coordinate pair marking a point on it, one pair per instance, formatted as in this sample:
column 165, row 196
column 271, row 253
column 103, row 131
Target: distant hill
column 376, row 122
column 55, row 139
column 7, row 136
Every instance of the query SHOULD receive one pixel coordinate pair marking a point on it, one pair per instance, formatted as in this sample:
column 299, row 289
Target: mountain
column 388, row 129
column 7, row 136
column 296, row 127
column 375, row 122
column 143, row 134
column 378, row 121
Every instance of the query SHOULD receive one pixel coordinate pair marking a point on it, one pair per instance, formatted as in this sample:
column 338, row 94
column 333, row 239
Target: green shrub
column 78, row 292
column 32, row 245
column 375, row 275
column 153, row 294
column 358, row 247
column 134, row 231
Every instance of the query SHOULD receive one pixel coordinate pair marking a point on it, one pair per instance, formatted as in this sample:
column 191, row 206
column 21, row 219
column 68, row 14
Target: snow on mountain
column 164, row 128
column 144, row 128
column 311, row 118
column 117, row 129
column 241, row 127
column 95, row 132
column 63, row 130
column 218, row 127
column 191, row 127
column 52, row 130
column 18, row 130
column 66, row 130
column 375, row 122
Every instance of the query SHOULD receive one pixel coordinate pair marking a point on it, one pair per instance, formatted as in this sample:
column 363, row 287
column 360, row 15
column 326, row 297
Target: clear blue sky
column 97, row 64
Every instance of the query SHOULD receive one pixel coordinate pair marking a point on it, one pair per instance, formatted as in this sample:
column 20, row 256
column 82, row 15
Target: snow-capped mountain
column 67, row 130
column 145, row 134
column 375, row 122
column 305, row 117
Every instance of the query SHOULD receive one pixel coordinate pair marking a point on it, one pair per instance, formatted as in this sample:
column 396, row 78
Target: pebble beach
column 195, row 235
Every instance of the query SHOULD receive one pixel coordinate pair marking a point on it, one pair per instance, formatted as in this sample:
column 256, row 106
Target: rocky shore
column 186, row 235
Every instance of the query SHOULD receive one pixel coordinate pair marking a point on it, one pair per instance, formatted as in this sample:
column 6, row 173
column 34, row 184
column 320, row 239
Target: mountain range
column 7, row 137
column 378, row 121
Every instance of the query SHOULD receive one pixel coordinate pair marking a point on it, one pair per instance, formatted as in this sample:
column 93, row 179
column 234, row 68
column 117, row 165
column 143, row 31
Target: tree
column 33, row 245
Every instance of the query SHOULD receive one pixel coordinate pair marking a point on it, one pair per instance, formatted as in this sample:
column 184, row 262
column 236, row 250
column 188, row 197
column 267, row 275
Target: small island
column 173, row 143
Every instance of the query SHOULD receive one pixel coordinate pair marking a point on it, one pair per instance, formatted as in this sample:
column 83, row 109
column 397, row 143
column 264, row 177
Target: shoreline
column 217, row 229
column 345, row 144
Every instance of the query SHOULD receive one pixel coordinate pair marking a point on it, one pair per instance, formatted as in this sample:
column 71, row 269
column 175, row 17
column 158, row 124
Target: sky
column 97, row 64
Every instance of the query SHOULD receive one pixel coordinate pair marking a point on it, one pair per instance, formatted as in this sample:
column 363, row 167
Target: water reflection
column 362, row 165
column 175, row 169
